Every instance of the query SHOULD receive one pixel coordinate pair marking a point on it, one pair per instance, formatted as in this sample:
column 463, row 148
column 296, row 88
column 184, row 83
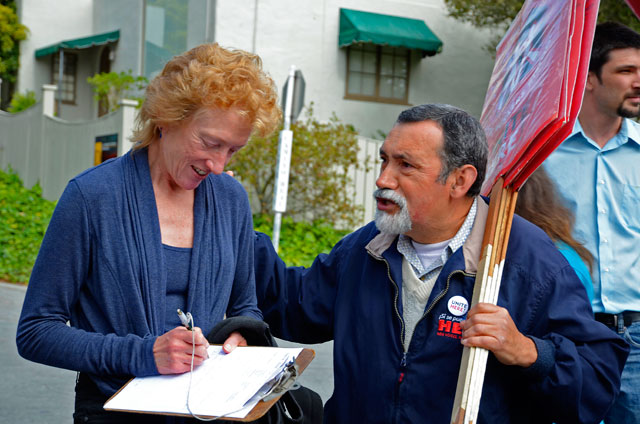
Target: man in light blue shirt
column 597, row 170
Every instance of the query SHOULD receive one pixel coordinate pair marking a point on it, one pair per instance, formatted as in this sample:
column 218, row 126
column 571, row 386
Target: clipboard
column 304, row 359
column 261, row 408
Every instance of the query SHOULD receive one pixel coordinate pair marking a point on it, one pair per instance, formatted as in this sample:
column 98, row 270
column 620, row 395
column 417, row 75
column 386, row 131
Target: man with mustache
column 597, row 171
column 395, row 295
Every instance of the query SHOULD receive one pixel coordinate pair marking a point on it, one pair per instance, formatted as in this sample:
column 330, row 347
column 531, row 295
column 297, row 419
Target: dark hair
column 464, row 140
column 539, row 203
column 610, row 36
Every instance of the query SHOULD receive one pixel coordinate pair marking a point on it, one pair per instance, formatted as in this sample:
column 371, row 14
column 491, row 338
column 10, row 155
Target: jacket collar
column 471, row 249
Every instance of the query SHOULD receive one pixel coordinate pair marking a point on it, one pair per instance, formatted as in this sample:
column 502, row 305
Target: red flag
column 537, row 81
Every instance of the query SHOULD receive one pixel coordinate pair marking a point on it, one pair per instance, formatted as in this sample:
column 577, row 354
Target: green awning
column 366, row 27
column 80, row 43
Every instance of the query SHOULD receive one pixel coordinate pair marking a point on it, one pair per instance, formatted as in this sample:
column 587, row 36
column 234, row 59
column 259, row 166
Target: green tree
column 11, row 33
column 21, row 102
column 322, row 155
column 111, row 87
column 498, row 14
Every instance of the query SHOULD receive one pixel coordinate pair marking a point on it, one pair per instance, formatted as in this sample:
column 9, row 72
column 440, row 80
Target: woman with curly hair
column 159, row 229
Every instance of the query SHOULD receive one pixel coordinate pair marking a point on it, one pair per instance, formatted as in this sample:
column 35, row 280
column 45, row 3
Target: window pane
column 386, row 86
column 400, row 66
column 369, row 62
column 355, row 82
column 399, row 88
column 355, row 59
column 386, row 64
column 368, row 85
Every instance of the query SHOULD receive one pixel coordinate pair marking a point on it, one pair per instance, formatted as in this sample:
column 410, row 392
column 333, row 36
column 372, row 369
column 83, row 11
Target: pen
column 184, row 319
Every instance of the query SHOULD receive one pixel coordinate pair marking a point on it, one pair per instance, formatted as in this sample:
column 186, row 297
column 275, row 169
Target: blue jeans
column 626, row 409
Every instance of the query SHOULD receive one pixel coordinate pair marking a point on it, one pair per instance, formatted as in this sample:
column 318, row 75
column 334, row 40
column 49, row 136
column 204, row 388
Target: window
column 172, row 27
column 378, row 73
column 69, row 75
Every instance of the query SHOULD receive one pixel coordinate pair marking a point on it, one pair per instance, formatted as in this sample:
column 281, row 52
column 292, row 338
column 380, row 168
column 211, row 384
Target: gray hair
column 464, row 140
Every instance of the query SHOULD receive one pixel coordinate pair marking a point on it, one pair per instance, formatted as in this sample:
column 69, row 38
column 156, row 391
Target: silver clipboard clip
column 284, row 381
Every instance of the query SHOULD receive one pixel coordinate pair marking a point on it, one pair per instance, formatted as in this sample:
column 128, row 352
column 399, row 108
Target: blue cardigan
column 101, row 267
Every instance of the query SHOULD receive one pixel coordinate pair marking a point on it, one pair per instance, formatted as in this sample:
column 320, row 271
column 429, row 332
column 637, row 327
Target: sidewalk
column 34, row 393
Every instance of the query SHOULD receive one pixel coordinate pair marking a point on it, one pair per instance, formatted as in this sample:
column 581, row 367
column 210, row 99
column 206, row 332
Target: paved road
column 34, row 393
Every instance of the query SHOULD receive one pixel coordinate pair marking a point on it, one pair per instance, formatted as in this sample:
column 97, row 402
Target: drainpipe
column 60, row 74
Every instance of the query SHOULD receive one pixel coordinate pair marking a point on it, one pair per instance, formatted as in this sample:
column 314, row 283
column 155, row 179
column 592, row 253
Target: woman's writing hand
column 172, row 351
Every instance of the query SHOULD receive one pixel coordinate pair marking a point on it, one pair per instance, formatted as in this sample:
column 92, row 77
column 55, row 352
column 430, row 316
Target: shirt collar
column 631, row 131
column 628, row 132
column 409, row 252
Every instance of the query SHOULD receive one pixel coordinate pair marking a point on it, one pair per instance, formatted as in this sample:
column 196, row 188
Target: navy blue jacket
column 353, row 296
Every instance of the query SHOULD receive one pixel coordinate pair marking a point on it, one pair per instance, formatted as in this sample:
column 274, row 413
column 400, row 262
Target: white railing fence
column 364, row 179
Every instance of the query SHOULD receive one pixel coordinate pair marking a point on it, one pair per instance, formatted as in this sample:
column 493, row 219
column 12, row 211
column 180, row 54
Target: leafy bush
column 301, row 242
column 25, row 216
column 323, row 153
column 21, row 102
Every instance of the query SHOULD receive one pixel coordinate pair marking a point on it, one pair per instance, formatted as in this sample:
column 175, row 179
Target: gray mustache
column 387, row 193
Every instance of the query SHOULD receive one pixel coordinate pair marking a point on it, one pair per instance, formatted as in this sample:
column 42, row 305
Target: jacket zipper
column 395, row 306
column 403, row 361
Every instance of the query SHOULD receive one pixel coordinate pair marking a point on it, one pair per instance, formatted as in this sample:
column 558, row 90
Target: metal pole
column 288, row 107
column 60, row 76
column 277, row 222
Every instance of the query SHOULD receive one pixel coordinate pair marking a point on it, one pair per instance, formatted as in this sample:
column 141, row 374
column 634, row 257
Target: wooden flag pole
column 487, row 286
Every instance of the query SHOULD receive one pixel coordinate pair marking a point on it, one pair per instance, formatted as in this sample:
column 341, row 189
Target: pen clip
column 186, row 319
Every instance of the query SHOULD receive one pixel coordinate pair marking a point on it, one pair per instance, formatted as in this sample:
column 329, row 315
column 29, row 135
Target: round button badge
column 458, row 305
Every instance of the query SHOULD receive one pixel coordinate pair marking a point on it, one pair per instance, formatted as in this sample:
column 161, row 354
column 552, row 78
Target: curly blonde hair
column 208, row 76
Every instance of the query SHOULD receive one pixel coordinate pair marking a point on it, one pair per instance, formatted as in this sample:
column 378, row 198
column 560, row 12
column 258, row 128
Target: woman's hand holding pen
column 172, row 351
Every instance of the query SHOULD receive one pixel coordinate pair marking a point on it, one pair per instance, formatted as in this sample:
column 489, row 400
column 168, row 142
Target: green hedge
column 25, row 216
column 300, row 242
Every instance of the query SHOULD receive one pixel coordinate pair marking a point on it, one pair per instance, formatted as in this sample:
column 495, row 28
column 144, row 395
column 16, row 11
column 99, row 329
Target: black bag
column 296, row 406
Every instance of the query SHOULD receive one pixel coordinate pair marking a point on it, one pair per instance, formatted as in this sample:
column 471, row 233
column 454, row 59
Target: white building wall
column 305, row 33
column 128, row 17
column 49, row 22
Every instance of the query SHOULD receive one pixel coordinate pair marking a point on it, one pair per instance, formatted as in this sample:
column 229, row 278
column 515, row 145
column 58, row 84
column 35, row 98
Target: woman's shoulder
column 101, row 180
column 226, row 186
column 103, row 173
